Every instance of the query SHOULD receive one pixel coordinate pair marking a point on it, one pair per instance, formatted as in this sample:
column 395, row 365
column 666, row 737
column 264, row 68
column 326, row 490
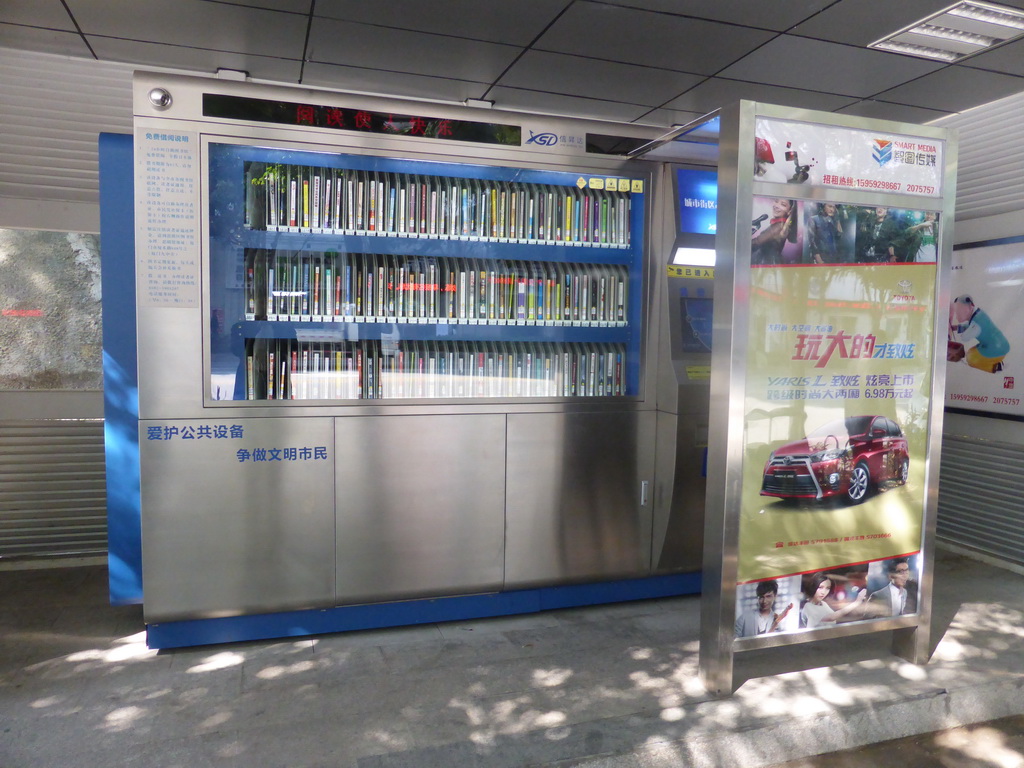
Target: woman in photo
column 816, row 611
column 766, row 244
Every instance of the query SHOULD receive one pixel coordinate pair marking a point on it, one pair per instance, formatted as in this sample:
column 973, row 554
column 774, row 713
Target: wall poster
column 833, row 240
column 984, row 371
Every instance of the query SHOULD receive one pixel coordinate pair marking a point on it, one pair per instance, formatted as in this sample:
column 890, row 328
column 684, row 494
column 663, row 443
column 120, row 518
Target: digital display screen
column 365, row 121
column 697, row 193
column 694, row 257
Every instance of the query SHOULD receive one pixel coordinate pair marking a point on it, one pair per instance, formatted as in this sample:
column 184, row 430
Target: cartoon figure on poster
column 968, row 323
column 766, row 607
column 774, row 232
column 984, row 369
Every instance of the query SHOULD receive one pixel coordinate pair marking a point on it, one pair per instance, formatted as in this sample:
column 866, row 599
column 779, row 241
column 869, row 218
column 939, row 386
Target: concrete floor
column 602, row 687
column 999, row 743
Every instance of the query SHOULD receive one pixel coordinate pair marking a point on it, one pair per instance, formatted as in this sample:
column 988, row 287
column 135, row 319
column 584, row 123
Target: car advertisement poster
column 836, row 413
column 984, row 368
column 829, row 156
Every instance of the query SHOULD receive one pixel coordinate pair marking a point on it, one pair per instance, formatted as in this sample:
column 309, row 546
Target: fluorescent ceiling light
column 1008, row 17
column 959, row 31
column 914, row 50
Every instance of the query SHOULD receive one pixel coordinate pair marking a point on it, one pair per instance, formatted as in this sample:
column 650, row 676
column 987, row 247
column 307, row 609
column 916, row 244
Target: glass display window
column 337, row 277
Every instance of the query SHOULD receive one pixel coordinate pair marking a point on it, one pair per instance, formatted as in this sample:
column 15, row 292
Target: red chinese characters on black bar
column 316, row 116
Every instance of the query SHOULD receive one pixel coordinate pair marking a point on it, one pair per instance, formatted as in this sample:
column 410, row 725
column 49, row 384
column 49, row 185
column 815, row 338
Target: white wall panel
column 52, row 488
column 991, row 169
column 980, row 488
column 52, row 109
column 982, row 471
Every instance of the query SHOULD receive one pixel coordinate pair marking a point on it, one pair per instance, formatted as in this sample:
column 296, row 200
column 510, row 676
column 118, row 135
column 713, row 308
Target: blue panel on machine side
column 120, row 370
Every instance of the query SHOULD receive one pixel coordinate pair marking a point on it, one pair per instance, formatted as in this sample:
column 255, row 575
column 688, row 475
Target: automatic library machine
column 372, row 362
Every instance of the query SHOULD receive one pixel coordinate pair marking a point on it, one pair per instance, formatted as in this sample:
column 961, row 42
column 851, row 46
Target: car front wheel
column 904, row 471
column 860, row 482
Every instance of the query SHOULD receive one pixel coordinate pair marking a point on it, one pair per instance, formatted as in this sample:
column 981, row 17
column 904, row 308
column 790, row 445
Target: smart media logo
column 543, row 139
column 882, row 151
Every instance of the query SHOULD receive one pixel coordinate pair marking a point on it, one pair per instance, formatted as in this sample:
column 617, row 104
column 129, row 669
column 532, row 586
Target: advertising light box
column 823, row 422
column 986, row 314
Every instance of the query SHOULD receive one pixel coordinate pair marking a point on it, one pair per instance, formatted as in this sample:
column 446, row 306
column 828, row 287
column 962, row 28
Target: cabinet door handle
column 643, row 492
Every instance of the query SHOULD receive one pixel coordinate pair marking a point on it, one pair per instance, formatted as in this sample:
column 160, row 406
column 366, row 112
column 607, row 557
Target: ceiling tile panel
column 796, row 62
column 197, row 24
column 775, row 16
column 648, row 38
column 554, row 104
column 379, row 82
column 516, row 23
column 593, row 78
column 717, row 92
column 955, row 89
column 43, row 40
column 50, row 14
column 634, row 60
column 394, row 50
column 668, row 117
column 882, row 110
column 291, row 6
column 1007, row 58
column 195, row 59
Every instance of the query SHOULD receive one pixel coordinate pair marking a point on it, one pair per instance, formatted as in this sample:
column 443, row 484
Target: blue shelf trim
column 327, row 159
column 433, row 247
column 435, row 331
column 180, row 634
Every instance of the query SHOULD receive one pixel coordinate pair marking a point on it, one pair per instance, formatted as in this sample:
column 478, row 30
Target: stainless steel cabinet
column 575, row 487
column 420, row 504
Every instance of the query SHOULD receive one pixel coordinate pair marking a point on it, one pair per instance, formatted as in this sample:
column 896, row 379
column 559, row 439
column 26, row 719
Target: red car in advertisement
column 845, row 459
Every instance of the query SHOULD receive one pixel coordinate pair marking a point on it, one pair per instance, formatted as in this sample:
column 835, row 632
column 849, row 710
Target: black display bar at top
column 362, row 120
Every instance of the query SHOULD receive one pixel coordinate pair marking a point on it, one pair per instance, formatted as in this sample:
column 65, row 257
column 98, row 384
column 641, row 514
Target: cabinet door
column 574, row 497
column 237, row 516
column 420, row 506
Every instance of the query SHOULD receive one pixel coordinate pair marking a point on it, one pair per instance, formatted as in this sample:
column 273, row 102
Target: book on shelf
column 333, row 285
column 294, row 197
column 288, row 369
column 369, row 279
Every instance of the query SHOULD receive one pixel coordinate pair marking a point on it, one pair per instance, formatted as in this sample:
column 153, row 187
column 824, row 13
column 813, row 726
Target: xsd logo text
column 543, row 139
